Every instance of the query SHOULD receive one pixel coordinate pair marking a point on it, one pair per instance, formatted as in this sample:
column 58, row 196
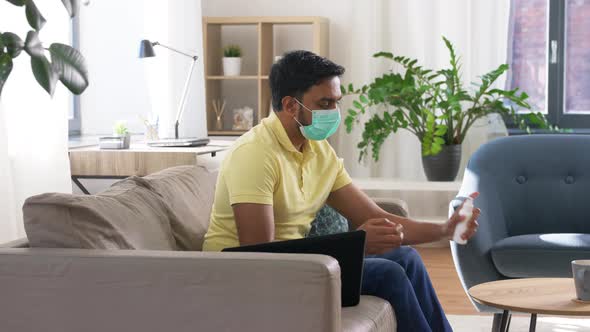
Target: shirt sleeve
column 342, row 177
column 251, row 175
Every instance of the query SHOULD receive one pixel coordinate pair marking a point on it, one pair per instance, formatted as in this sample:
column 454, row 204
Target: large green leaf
column 14, row 45
column 44, row 73
column 71, row 67
column 383, row 55
column 5, row 69
column 19, row 3
column 34, row 17
column 72, row 6
column 33, row 45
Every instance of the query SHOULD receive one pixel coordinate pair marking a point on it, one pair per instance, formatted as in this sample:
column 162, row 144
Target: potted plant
column 121, row 131
column 435, row 107
column 67, row 64
column 232, row 60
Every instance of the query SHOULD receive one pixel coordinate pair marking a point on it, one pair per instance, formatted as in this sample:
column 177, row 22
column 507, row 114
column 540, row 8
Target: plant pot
column 232, row 66
column 443, row 166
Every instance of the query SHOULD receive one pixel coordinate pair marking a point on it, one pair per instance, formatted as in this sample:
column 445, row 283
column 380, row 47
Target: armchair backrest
column 541, row 182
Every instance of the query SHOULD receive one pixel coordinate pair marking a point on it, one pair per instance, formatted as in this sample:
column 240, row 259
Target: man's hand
column 382, row 235
column 451, row 224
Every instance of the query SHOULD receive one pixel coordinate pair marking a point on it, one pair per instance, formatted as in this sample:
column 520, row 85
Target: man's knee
column 389, row 271
column 405, row 254
column 410, row 254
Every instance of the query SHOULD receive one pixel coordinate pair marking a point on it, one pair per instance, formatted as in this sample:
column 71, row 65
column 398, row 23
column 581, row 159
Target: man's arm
column 255, row 223
column 357, row 207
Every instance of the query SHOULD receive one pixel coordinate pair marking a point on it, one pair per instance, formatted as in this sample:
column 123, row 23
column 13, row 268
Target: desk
column 90, row 162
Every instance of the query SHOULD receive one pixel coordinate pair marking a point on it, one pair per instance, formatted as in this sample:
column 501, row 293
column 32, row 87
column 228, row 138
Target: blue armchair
column 535, row 217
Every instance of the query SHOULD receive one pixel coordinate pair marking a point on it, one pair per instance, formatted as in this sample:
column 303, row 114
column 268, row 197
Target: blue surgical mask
column 324, row 123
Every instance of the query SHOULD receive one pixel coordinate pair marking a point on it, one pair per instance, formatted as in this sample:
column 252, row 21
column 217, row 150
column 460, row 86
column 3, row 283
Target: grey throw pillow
column 128, row 215
column 328, row 221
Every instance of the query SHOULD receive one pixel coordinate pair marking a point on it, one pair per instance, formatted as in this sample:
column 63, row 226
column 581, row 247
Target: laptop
column 180, row 142
column 347, row 248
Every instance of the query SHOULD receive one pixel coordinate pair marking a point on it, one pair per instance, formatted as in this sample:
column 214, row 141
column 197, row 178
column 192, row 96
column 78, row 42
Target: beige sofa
column 56, row 287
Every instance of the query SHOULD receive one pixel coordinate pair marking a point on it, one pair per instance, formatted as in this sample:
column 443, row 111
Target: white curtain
column 477, row 28
column 33, row 126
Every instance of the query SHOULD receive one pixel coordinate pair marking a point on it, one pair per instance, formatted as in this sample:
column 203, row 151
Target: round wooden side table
column 546, row 296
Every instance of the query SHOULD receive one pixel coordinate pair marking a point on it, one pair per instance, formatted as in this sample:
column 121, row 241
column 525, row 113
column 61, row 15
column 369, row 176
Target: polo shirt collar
column 277, row 128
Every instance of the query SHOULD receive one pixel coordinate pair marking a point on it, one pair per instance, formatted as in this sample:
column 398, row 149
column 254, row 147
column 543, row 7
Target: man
column 279, row 174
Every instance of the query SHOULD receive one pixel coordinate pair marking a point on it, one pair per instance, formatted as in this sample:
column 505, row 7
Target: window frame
column 555, row 86
column 75, row 123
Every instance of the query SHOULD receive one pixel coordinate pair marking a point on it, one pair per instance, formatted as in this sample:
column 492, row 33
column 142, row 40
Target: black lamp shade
column 146, row 49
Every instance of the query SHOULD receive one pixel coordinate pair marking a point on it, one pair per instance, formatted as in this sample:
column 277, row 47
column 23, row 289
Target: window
column 74, row 120
column 548, row 52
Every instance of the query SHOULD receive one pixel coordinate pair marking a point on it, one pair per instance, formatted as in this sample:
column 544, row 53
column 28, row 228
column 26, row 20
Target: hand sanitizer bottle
column 466, row 211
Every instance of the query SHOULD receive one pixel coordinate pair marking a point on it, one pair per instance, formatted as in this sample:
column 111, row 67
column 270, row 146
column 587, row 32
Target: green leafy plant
column 232, row 51
column 433, row 105
column 121, row 128
column 66, row 65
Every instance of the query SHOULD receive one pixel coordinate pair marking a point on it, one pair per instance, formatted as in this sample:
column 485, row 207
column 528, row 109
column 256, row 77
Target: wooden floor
column 439, row 263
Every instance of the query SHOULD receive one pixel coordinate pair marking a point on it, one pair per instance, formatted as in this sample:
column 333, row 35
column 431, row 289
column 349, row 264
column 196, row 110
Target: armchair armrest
column 98, row 290
column 473, row 261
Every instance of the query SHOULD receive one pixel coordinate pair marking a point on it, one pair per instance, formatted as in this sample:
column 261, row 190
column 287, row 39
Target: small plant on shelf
column 232, row 60
column 232, row 51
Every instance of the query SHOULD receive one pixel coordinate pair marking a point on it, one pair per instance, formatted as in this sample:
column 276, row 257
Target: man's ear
column 290, row 105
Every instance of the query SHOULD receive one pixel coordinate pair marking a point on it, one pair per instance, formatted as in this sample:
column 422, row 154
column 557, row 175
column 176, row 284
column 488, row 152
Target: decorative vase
column 443, row 166
column 219, row 123
column 232, row 66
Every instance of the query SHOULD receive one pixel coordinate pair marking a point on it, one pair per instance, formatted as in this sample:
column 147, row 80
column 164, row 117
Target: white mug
column 581, row 272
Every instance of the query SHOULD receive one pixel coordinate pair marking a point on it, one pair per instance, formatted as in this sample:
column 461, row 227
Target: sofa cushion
column 328, row 221
column 189, row 191
column 128, row 215
column 372, row 314
column 540, row 255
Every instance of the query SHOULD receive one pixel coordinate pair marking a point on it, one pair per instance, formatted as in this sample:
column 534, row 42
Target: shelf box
column 237, row 94
column 219, row 36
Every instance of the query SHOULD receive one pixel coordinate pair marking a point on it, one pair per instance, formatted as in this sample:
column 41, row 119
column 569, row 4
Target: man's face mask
column 324, row 123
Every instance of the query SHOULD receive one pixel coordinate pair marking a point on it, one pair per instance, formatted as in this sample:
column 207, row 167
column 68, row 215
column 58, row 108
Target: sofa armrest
column 393, row 205
column 98, row 290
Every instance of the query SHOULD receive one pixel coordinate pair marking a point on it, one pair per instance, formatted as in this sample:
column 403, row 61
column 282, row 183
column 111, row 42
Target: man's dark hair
column 296, row 72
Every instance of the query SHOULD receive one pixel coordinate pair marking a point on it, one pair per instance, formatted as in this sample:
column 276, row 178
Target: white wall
column 124, row 87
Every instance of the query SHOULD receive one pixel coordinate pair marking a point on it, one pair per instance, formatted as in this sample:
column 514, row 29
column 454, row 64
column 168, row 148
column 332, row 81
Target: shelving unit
column 259, row 37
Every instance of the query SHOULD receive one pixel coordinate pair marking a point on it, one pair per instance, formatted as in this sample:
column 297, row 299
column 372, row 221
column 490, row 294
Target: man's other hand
column 382, row 235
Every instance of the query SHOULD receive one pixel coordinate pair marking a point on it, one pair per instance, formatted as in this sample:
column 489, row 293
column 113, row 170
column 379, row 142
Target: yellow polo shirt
column 264, row 167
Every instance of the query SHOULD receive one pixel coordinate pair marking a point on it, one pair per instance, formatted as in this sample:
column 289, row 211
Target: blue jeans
column 400, row 277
